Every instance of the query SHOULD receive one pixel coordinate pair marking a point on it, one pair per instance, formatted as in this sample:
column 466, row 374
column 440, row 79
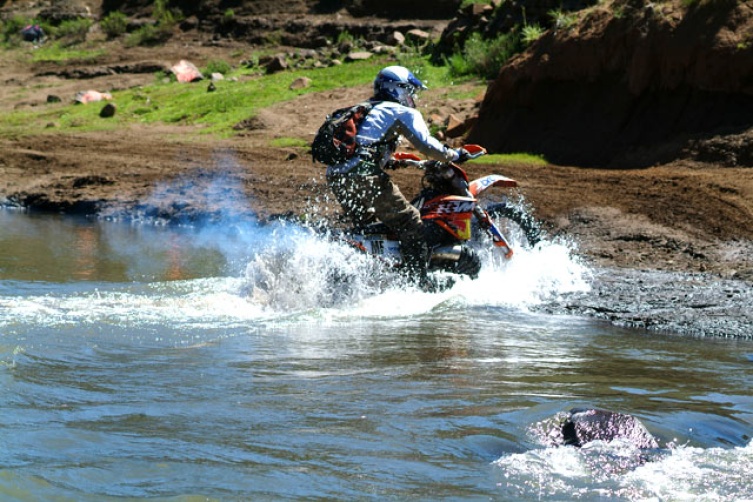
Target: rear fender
column 493, row 180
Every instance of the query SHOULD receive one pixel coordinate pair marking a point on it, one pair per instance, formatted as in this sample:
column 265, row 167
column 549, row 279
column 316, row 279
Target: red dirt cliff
column 630, row 83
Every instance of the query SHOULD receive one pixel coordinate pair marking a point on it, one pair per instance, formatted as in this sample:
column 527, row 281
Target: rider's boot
column 416, row 255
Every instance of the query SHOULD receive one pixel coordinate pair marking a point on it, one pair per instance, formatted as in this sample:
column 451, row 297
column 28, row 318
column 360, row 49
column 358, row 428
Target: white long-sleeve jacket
column 383, row 125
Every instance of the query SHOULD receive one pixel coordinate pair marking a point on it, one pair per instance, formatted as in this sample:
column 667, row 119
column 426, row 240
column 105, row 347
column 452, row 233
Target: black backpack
column 335, row 142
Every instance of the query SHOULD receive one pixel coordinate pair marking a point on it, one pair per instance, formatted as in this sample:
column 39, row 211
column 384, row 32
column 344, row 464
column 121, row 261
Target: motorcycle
column 452, row 216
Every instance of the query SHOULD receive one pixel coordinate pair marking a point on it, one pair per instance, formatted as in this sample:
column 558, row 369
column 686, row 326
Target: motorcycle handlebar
column 402, row 159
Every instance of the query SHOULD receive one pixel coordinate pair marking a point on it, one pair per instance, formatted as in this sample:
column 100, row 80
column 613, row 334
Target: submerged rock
column 581, row 426
column 587, row 425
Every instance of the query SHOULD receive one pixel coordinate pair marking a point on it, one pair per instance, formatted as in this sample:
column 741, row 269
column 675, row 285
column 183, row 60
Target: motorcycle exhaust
column 447, row 253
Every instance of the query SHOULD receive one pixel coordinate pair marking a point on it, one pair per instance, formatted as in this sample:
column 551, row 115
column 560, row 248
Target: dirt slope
column 628, row 83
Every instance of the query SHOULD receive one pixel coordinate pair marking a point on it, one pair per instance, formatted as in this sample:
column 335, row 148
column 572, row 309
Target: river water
column 143, row 361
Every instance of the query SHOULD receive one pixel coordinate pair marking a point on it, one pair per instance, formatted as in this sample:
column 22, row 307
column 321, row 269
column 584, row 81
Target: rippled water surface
column 139, row 361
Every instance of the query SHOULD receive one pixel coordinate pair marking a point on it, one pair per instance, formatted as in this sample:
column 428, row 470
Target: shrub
column 114, row 24
column 149, row 34
column 73, row 31
column 482, row 57
column 563, row 20
column 531, row 33
column 164, row 15
column 10, row 30
column 217, row 66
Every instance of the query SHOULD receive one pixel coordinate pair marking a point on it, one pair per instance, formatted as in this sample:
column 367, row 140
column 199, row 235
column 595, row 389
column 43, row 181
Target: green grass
column 466, row 92
column 466, row 3
column 190, row 104
column 289, row 143
column 169, row 102
column 55, row 53
column 512, row 158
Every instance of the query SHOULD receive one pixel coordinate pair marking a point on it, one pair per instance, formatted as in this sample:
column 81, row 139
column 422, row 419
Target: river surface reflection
column 139, row 361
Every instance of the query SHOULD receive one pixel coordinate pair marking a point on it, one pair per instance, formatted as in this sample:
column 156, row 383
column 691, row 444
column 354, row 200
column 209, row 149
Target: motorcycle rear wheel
column 529, row 227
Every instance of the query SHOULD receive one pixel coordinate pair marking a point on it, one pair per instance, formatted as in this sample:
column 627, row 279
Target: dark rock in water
column 587, row 425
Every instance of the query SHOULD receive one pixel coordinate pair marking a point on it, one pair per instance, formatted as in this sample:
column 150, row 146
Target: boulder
column 358, row 56
column 455, row 126
column 417, row 36
column 300, row 83
column 587, row 425
column 275, row 64
column 185, row 71
column 108, row 110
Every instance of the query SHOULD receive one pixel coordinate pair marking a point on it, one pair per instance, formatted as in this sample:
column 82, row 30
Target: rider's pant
column 368, row 197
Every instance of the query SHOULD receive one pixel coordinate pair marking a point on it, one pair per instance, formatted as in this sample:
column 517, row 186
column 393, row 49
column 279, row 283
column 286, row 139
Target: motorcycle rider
column 360, row 184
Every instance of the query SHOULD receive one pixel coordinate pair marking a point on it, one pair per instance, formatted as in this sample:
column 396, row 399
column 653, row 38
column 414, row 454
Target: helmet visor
column 408, row 94
column 412, row 80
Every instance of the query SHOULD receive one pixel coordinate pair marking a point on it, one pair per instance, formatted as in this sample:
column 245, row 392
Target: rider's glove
column 462, row 154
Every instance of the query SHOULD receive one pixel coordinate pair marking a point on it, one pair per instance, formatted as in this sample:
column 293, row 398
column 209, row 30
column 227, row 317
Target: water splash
column 306, row 270
column 617, row 469
column 240, row 270
column 299, row 269
column 532, row 276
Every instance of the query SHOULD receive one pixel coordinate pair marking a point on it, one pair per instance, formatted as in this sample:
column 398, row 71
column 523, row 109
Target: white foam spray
column 278, row 270
column 619, row 470
column 303, row 270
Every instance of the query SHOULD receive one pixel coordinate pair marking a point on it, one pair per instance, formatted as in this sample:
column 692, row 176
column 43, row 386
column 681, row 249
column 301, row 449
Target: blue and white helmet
column 398, row 84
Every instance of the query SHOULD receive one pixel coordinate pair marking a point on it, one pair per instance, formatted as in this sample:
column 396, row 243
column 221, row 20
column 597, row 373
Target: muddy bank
column 688, row 304
column 666, row 248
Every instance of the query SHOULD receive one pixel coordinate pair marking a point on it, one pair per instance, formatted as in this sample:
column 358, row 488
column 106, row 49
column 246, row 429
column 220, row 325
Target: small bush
column 164, row 15
column 73, row 31
column 482, row 57
column 563, row 20
column 10, row 30
column 531, row 33
column 345, row 37
column 149, row 34
column 114, row 24
column 217, row 66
